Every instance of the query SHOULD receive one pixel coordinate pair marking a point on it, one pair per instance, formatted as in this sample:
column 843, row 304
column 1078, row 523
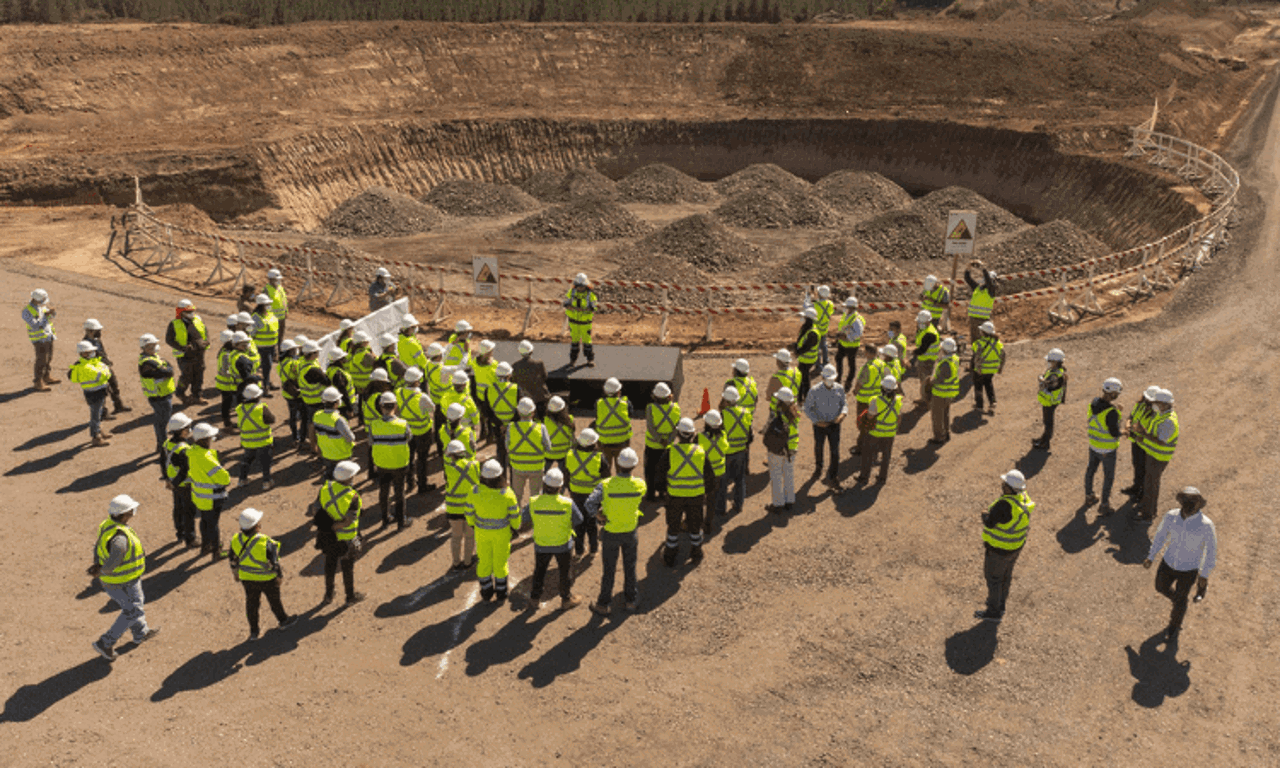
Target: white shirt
column 1193, row 542
column 853, row 332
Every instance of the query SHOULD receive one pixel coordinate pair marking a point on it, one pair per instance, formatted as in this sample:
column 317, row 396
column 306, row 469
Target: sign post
column 484, row 272
column 962, row 227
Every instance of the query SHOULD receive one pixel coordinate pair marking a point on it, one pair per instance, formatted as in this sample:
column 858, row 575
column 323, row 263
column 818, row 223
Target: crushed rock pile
column 841, row 261
column 1055, row 244
column 765, row 209
column 763, row 176
column 466, row 197
column 992, row 219
column 591, row 219
column 902, row 234
column 700, row 241
column 661, row 184
column 860, row 195
column 381, row 212
column 660, row 268
column 569, row 186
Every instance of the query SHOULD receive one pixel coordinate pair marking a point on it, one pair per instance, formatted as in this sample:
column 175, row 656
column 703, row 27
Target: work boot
column 669, row 557
column 695, row 555
column 99, row 441
column 50, row 380
column 571, row 601
column 40, row 386
column 122, row 408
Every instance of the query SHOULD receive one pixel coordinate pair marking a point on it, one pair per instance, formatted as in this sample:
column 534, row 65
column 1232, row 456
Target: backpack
column 776, row 435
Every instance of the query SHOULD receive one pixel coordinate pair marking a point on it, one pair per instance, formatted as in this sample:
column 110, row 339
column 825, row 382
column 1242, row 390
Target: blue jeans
column 97, row 406
column 163, row 406
column 735, row 472
column 629, row 544
column 1108, row 463
column 262, row 456
column 297, row 418
column 268, row 355
column 129, row 598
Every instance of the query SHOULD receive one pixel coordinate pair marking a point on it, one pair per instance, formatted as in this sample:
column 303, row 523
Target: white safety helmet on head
column 262, row 299
column 454, row 448
column 685, row 426
column 782, row 356
column 85, row 346
column 225, row 336
column 40, row 296
column 730, row 395
column 829, row 372
column 178, row 422
column 1164, row 396
column 345, row 470
column 809, row 313
column 948, row 346
column 491, row 470
column 336, row 354
column 485, row 347
column 1151, row 392
column 459, row 378
column 455, row 411
column 244, row 318
column 233, row 321
column 555, row 404
column 251, row 392
column 742, row 365
column 434, row 349
column 1055, row 356
column 890, row 351
column 360, row 337
column 1014, row 479
column 386, row 398
column 462, row 326
column 330, row 395
column 824, row 292
column 382, row 272
column 240, row 337
column 380, row 374
column 408, row 321
column 612, row 386
column 988, row 328
column 525, row 407
column 553, row 478
column 923, row 317
column 930, row 282
column 92, row 325
column 346, row 323
column 203, row 431
column 288, row 345
column 580, row 278
column 249, row 518
column 628, row 458
column 121, row 505
column 186, row 304
column 274, row 274
column 1112, row 385
column 785, row 395
column 310, row 348
column 588, row 437
column 889, row 383
column 525, row 348
column 503, row 369
column 661, row 389
column 851, row 302
column 387, row 341
column 712, row 418
column 146, row 340
column 412, row 374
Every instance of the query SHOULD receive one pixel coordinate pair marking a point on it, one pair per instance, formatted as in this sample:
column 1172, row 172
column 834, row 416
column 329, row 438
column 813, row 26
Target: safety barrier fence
column 343, row 274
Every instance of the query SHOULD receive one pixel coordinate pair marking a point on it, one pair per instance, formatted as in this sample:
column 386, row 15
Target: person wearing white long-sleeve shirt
column 1190, row 558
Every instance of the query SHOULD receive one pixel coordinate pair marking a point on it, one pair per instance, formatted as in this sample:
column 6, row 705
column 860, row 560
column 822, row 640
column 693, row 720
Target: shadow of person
column 1079, row 534
column 143, row 420
column 438, row 591
column 920, row 459
column 509, row 643
column 659, row 583
column 566, row 656
column 967, row 422
column 48, row 438
column 911, row 417
column 1159, row 674
column 742, row 539
column 107, row 476
column 412, row 552
column 282, row 640
column 1032, row 462
column 156, row 583
column 1129, row 538
column 971, row 650
column 30, row 701
column 446, row 635
column 203, row 670
column 47, row 462
column 857, row 499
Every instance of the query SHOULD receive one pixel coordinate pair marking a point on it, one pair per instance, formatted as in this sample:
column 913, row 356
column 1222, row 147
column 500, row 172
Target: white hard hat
column 382, row 272
column 851, row 302
column 310, row 348
column 434, row 349
column 661, row 390
column 386, row 398
column 185, row 304
column 988, row 328
column 262, row 299
column 462, row 326
column 588, row 437
column 1014, row 479
column 459, row 377
column 345, row 470
column 628, row 459
column 178, row 422
column 948, row 345
column 288, row 345
column 685, row 426
column 809, row 313
column 92, row 325
column 742, row 365
column 454, row 447
column 1112, row 385
column 85, row 346
column 785, row 395
column 555, row 404
column 408, row 321
column 330, row 395
column 503, row 369
column 923, row 316
column 274, row 274
column 360, row 337
column 121, row 504
column 829, row 372
column 39, row 295
column 889, row 382
column 336, row 354
column 380, row 374
column 824, row 292
column 889, row 351
column 491, row 470
column 612, row 386
column 455, row 411
column 413, row 374
column 731, row 395
column 782, row 356
column 1164, row 396
column 203, row 431
column 345, row 323
column 301, row 339
column 712, row 418
column 249, row 518
column 146, row 340
column 244, row 318
column 1151, row 392
column 554, row 478
column 1055, row 356
column 240, row 337
column 580, row 278
column 486, row 346
column 251, row 392
column 930, row 281
column 525, row 406
column 233, row 320
column 387, row 340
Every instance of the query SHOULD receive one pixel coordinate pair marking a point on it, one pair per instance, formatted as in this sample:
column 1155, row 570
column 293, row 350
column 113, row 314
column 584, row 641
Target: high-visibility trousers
column 493, row 550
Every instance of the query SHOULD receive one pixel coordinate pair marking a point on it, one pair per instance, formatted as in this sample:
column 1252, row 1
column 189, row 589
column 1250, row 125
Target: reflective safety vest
column 461, row 477
column 384, row 362
column 433, row 374
column 931, row 352
column 748, row 395
column 172, row 449
column 584, row 469
column 1100, row 438
column 289, row 368
column 363, row 361
column 38, row 328
column 842, row 330
column 981, row 303
column 737, row 429
column 254, row 357
column 871, row 387
column 279, row 300
column 987, row 352
column 900, row 341
column 472, row 413
column 613, row 419
column 825, row 309
column 685, row 466
column 1049, row 397
column 489, row 509
column 946, row 377
column 934, row 301
column 579, row 311
column 336, row 499
column 485, row 375
column 524, row 446
column 411, row 410
column 340, row 380
column 503, row 397
column 310, row 392
column 620, row 503
column 409, row 351
column 561, row 436
column 369, row 406
column 134, row 562
column 888, row 412
column 810, row 355
column 456, row 430
column 660, row 425
column 266, row 331
column 180, row 333
column 226, row 377
column 457, row 353
column 209, row 480
column 790, row 377
column 552, row 516
column 1141, row 412
column 390, row 442
column 154, row 388
column 345, row 340
column 715, row 450
column 254, row 430
column 1158, row 451
column 896, row 369
column 333, row 446
column 1013, row 534
column 249, row 556
column 92, row 375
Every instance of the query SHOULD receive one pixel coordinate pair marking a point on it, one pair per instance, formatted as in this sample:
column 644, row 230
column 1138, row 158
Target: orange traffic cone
column 706, row 402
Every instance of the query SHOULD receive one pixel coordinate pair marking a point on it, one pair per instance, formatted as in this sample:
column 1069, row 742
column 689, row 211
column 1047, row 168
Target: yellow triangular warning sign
column 961, row 232
column 486, row 275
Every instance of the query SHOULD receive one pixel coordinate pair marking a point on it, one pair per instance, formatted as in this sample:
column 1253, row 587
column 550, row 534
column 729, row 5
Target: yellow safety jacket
column 584, row 469
column 1099, row 437
column 336, row 499
column 310, row 392
column 266, row 331
column 946, row 377
column 524, row 446
column 1011, row 535
column 225, row 377
column 613, row 419
column 580, row 310
column 490, row 510
column 333, row 446
column 552, row 516
column 660, row 423
column 410, row 408
column 503, row 397
column 288, row 373
column 209, row 480
column 715, row 450
column 1154, row 449
column 390, row 442
column 154, row 388
column 843, row 327
column 134, row 563
column 255, row 432
column 1052, row 397
column 825, row 309
column 437, row 387
column 810, row 355
column 279, row 300
column 485, row 375
column 685, row 466
column 620, row 503
column 987, row 351
column 172, row 449
column 748, row 395
column 92, row 375
column 561, row 436
column 888, row 413
column 472, row 415
column 871, row 387
column 935, row 301
column 461, row 477
column 249, row 557
column 931, row 353
column 180, row 333
column 458, row 352
column 38, row 329
column 363, row 361
column 737, row 429
column 409, row 351
column 981, row 303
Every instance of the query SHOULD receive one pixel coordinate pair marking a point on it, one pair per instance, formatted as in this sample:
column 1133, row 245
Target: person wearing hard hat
column 381, row 291
column 240, row 370
column 660, row 418
column 187, row 336
column 585, row 465
column 615, row 505
column 173, row 462
column 118, row 564
column 982, row 301
column 503, row 395
column 782, row 440
column 783, row 377
column 255, row 562
column 944, row 387
column 880, row 425
column 686, row 493
column 329, row 433
column 825, row 309
column 988, row 360
column 848, row 338
column 461, row 478
column 748, row 396
column 737, row 434
column 312, row 382
column 1103, row 428
column 290, row 367
column 224, row 378
column 245, row 301
column 454, row 427
column 530, row 376
column 37, row 315
column 714, row 443
column 925, row 354
column 553, row 518
column 484, row 373
column 415, row 407
column 360, row 364
column 245, row 322
column 92, row 374
column 460, row 392
column 1004, row 534
column 274, row 289
column 808, row 349
column 580, row 310
column 389, row 360
column 1158, row 436
column 559, row 426
column 390, row 436
column 1137, row 416
column 868, row 388
column 408, row 348
column 379, row 382
column 898, row 339
column 612, row 424
column 457, row 353
column 255, row 420
column 266, row 337
column 157, row 384
column 936, row 300
column 341, row 380
column 209, row 483
column 1190, row 558
column 437, row 382
column 346, row 332
column 827, row 408
column 493, row 513
column 527, row 448
column 93, row 335
column 337, row 521
column 1052, row 393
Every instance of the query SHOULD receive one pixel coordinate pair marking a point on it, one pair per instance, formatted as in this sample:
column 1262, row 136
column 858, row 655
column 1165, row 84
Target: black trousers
column 1139, row 460
column 190, row 376
column 656, row 463
column 419, row 449
column 831, row 436
column 209, row 532
column 1175, row 585
column 804, row 369
column 333, row 559
column 184, row 513
column 851, row 353
column 261, row 455
column 386, row 479
column 985, row 382
column 998, row 570
column 253, row 592
column 541, row 560
column 587, row 529
column 228, row 405
column 1048, row 412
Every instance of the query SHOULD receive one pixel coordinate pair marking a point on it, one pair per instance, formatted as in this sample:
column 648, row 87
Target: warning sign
column 961, row 228
column 484, row 270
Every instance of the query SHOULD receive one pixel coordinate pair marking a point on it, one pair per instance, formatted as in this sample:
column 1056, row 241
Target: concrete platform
column 638, row 368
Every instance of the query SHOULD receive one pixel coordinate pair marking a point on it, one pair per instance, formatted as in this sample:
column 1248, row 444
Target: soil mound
column 700, row 241
column 185, row 215
column 860, row 195
column 569, row 186
column 659, row 268
column 762, row 176
column 661, row 184
column 992, row 219
column 763, row 209
column 465, row 197
column 581, row 220
column 902, row 234
column 381, row 212
column 1055, row 244
column 844, row 260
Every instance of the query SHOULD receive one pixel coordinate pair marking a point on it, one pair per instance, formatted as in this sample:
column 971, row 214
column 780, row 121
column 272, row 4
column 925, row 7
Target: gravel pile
column 1056, row 244
column 903, row 233
column 700, row 241
column 661, row 184
column 464, row 197
column 569, row 186
column 342, row 261
column 860, row 195
column 381, row 212
column 992, row 219
column 845, row 260
column 764, row 176
column 581, row 220
column 659, row 268
column 763, row 209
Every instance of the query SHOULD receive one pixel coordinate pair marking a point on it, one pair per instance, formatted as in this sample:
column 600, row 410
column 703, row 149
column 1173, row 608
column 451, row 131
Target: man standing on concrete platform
column 1004, row 534
column 38, row 317
column 580, row 309
column 826, row 407
column 530, row 376
column 1190, row 558
column 118, row 564
column 1158, row 436
column 944, row 386
column 189, row 339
